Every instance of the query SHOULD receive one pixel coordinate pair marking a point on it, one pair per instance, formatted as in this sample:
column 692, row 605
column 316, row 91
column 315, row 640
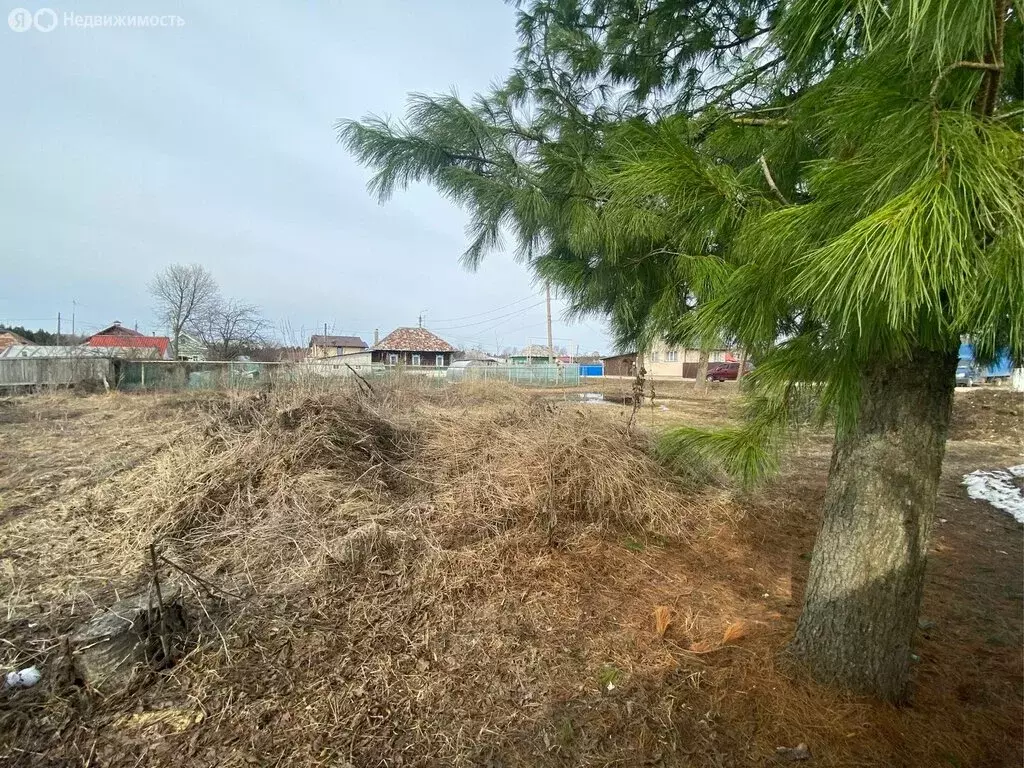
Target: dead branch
column 164, row 643
column 771, row 181
column 210, row 588
column 358, row 376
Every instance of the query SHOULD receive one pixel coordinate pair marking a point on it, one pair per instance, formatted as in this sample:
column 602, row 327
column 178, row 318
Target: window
column 654, row 357
column 439, row 361
column 415, row 359
column 672, row 357
column 392, row 358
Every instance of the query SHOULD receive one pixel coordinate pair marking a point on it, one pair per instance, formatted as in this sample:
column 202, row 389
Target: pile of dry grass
column 421, row 576
column 366, row 540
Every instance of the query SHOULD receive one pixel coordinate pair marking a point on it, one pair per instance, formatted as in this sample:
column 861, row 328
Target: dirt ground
column 532, row 588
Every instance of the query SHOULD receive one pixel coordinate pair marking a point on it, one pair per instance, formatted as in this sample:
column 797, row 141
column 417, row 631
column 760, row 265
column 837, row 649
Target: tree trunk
column 742, row 370
column 701, row 380
column 864, row 587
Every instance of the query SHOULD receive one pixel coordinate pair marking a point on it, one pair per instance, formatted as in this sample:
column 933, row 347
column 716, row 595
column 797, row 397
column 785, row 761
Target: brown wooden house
column 414, row 347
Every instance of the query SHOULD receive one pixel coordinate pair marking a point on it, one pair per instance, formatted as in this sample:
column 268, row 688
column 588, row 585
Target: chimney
column 376, row 336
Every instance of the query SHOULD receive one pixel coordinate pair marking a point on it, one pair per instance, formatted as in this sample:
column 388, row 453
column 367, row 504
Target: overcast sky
column 126, row 149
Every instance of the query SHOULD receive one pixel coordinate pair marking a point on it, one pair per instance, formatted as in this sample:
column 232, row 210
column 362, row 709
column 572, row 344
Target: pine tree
column 836, row 185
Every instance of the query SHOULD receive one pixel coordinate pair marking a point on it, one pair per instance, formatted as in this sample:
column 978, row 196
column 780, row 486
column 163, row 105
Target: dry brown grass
column 466, row 575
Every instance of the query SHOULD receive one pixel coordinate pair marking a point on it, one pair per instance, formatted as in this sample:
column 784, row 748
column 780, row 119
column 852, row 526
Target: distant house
column 666, row 360
column 190, row 347
column 414, row 347
column 340, row 365
column 475, row 354
column 10, row 338
column 534, row 354
column 118, row 336
column 334, row 346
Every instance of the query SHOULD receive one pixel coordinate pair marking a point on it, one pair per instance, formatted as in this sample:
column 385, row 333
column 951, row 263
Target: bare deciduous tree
column 230, row 327
column 184, row 293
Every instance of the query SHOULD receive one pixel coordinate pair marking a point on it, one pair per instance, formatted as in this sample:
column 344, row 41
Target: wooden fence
column 55, row 371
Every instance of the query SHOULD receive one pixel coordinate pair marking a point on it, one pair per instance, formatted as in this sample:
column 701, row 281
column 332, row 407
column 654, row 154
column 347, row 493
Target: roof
column 621, row 354
column 337, row 341
column 413, row 340
column 36, row 351
column 7, row 338
column 116, row 330
column 474, row 354
column 159, row 343
column 533, row 350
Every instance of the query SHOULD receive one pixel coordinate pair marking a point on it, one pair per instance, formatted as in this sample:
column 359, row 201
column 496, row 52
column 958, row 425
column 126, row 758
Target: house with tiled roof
column 413, row 347
column 118, row 336
column 10, row 338
column 334, row 346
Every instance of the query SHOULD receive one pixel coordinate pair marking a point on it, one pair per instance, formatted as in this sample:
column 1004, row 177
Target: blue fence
column 592, row 369
column 1000, row 368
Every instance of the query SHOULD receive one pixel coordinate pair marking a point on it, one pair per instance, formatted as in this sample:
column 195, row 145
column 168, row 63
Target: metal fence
column 164, row 375
column 544, row 375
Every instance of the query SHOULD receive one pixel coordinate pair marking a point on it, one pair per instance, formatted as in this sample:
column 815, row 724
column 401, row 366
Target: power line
column 490, row 319
column 480, row 314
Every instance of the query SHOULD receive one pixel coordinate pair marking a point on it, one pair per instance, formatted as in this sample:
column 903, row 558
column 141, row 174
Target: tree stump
column 113, row 647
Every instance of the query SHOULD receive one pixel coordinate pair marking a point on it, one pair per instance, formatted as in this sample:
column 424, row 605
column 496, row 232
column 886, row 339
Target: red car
column 726, row 371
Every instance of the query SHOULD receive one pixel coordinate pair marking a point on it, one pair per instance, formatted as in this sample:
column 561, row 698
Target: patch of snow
column 998, row 489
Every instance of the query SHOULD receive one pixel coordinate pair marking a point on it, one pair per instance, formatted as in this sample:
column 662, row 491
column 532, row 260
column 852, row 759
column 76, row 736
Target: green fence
column 162, row 375
column 545, row 375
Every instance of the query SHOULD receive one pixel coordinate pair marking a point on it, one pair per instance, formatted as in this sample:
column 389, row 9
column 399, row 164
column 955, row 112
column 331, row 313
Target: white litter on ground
column 25, row 678
column 998, row 489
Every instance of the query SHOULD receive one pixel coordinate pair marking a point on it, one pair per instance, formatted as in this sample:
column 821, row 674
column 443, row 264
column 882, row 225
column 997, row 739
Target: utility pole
column 58, row 329
column 325, row 329
column 551, row 344
column 74, row 305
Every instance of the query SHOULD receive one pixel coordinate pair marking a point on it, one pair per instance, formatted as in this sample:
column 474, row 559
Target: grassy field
column 472, row 575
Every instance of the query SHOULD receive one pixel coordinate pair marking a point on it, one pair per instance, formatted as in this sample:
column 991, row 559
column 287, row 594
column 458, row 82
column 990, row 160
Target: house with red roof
column 123, row 338
column 414, row 347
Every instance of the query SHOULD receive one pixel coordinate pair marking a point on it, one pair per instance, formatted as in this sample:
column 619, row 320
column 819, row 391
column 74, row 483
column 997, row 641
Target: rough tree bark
column 701, row 381
column 867, row 571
